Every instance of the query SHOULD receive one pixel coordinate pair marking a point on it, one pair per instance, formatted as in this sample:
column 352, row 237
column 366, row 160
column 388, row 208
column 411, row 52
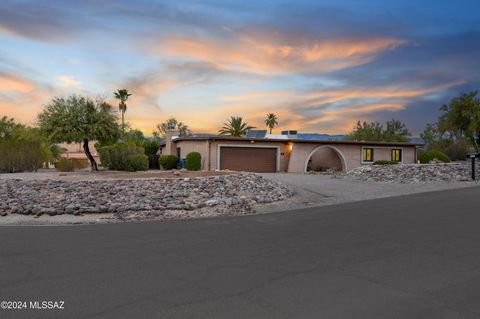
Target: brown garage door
column 249, row 159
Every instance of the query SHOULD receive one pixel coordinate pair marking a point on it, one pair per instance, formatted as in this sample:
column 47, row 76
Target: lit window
column 368, row 154
column 396, row 155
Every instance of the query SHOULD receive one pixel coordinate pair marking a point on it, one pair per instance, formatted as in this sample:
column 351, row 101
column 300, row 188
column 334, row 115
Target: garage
column 250, row 159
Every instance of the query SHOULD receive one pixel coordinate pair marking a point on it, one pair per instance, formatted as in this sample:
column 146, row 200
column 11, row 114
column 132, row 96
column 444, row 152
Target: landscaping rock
column 142, row 198
column 412, row 173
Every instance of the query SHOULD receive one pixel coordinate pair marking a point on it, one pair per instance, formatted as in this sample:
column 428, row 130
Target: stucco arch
column 335, row 149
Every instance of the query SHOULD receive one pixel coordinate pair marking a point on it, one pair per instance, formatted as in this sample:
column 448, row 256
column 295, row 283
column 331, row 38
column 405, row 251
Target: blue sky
column 320, row 65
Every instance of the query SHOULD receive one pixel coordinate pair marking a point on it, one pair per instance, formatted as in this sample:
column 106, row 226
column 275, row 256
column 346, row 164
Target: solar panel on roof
column 256, row 133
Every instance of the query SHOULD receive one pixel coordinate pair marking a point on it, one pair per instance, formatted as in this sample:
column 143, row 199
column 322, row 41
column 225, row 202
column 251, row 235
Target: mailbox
column 473, row 156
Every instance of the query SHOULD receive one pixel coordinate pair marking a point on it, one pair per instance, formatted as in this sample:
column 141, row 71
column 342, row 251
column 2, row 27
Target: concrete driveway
column 414, row 256
column 320, row 190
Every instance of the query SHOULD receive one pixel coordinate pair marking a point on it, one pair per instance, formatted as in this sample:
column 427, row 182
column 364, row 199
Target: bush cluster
column 454, row 149
column 71, row 164
column 168, row 162
column 136, row 162
column 65, row 165
column 385, row 162
column 426, row 157
column 193, row 161
column 116, row 156
column 20, row 156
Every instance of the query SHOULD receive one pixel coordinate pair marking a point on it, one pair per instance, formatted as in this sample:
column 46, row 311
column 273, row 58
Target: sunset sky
column 319, row 65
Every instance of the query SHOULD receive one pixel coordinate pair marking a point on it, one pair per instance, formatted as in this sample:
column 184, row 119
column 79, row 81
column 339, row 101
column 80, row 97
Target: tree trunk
column 123, row 124
column 93, row 163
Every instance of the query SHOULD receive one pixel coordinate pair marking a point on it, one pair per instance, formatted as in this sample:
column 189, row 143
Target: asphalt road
column 415, row 256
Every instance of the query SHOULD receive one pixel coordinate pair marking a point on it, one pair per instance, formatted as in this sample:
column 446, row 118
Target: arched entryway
column 325, row 157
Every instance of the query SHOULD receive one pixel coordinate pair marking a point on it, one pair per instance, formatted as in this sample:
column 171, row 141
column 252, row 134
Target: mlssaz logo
column 47, row 304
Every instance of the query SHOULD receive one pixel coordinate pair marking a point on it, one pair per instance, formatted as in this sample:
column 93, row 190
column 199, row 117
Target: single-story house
column 75, row 150
column 285, row 154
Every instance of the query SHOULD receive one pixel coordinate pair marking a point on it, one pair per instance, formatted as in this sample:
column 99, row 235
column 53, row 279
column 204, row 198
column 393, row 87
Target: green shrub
column 136, row 162
column 65, row 165
column 454, row 149
column 105, row 153
column 385, row 162
column 168, row 161
column 151, row 147
column 426, row 157
column 19, row 156
column 115, row 156
column 80, row 163
column 193, row 161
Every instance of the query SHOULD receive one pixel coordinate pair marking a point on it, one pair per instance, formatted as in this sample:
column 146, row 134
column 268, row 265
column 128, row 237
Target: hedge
column 385, row 162
column 426, row 157
column 193, row 161
column 115, row 156
column 136, row 162
column 168, row 161
column 65, row 165
column 20, row 156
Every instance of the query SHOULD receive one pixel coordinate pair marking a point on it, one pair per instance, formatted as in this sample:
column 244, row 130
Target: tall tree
column 271, row 121
column 461, row 118
column 364, row 131
column 7, row 127
column 172, row 124
column 430, row 134
column 122, row 95
column 395, row 131
column 135, row 136
column 79, row 119
column 235, row 126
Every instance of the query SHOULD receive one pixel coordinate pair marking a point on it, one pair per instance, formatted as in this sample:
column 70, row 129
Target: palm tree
column 271, row 121
column 235, row 126
column 122, row 95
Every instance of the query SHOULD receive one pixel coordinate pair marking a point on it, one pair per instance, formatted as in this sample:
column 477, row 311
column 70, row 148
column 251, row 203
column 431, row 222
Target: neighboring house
column 75, row 150
column 285, row 154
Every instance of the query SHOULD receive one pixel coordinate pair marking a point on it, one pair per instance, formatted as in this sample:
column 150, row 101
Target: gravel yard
column 135, row 198
column 49, row 197
column 412, row 173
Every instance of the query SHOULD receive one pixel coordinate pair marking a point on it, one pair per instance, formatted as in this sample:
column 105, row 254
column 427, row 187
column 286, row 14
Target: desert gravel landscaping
column 137, row 198
column 412, row 173
column 83, row 197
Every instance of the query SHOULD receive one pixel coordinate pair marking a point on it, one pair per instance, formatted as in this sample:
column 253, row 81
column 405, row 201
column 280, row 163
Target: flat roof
column 292, row 140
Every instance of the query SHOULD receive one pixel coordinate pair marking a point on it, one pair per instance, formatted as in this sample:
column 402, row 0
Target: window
column 397, row 155
column 368, row 154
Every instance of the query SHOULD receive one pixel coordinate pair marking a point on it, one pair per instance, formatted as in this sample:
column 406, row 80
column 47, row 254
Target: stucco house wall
column 193, row 146
column 293, row 155
column 350, row 154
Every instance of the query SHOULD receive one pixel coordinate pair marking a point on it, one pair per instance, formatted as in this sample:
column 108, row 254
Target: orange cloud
column 14, row 84
column 256, row 96
column 268, row 56
column 335, row 118
column 324, row 97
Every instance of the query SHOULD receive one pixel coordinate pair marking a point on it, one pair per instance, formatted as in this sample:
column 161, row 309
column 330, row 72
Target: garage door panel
column 250, row 159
